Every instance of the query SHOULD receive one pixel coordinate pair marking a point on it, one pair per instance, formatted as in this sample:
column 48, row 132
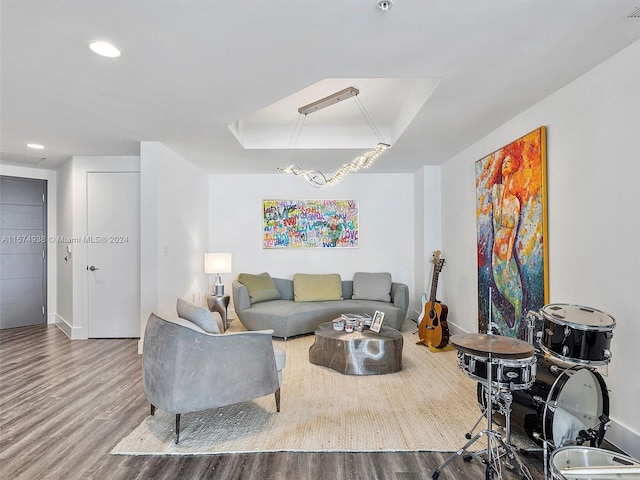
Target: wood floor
column 65, row 404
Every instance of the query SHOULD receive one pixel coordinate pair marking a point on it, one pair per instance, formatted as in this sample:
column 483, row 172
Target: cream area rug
column 429, row 405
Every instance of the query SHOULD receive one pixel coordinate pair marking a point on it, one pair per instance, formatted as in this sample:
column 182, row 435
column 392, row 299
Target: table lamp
column 215, row 264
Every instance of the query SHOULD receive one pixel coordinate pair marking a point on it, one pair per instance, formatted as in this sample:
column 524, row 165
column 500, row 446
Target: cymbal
column 482, row 344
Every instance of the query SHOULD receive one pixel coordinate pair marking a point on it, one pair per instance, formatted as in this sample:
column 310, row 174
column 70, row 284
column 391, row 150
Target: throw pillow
column 317, row 288
column 261, row 287
column 210, row 322
column 372, row 286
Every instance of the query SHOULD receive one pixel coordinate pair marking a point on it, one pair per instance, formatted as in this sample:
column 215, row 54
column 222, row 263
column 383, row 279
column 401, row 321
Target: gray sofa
column 186, row 369
column 287, row 317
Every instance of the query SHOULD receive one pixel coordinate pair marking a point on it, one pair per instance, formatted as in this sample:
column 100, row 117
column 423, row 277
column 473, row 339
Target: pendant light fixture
column 316, row 178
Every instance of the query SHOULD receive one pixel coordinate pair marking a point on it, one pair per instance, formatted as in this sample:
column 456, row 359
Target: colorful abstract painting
column 512, row 234
column 310, row 224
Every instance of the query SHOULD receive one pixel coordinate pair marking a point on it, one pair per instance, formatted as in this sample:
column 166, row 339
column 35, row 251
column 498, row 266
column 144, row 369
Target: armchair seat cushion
column 281, row 362
column 281, row 358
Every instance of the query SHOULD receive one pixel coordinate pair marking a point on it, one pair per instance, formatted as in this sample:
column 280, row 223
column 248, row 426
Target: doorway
column 23, row 252
column 113, row 254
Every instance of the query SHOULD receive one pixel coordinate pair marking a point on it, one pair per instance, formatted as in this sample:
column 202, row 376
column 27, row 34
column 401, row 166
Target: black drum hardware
column 546, row 387
column 503, row 365
column 575, row 334
column 560, row 404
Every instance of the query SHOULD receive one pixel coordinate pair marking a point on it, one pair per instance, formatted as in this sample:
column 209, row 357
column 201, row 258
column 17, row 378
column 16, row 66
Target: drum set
column 548, row 388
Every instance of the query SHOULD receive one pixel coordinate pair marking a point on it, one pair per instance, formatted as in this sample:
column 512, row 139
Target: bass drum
column 560, row 403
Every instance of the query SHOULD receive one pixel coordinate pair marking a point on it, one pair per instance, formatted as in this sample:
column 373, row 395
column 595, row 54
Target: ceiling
column 193, row 71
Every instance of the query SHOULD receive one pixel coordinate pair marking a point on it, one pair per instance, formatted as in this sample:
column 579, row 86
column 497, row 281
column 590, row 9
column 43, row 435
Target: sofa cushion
column 261, row 287
column 210, row 322
column 372, row 286
column 317, row 288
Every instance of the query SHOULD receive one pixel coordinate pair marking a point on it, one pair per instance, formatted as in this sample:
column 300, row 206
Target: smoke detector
column 385, row 5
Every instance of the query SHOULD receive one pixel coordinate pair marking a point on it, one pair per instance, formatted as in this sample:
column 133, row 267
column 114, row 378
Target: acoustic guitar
column 434, row 329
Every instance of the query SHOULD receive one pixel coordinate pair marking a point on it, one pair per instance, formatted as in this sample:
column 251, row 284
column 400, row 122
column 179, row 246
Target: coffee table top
column 386, row 333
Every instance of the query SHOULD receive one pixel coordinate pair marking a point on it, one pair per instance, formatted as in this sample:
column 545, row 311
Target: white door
column 113, row 254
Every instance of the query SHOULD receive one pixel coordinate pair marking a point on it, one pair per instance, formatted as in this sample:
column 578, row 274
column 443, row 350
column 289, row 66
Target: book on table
column 356, row 317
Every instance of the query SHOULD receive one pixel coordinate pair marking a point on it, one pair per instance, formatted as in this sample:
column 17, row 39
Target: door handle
column 92, row 268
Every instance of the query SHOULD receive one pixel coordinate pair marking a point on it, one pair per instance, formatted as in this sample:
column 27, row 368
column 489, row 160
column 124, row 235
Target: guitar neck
column 434, row 287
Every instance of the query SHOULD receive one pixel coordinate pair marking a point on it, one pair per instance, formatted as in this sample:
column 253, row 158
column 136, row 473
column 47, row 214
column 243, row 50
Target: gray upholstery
column 185, row 369
column 210, row 322
column 372, row 286
column 288, row 318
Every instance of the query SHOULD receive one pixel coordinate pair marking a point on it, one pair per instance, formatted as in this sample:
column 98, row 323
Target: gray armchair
column 185, row 369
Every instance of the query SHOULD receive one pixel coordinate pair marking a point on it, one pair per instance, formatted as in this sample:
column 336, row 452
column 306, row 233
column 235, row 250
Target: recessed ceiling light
column 385, row 5
column 35, row 146
column 105, row 49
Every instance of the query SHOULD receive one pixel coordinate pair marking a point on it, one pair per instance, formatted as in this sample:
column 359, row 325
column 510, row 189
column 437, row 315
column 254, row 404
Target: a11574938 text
column 64, row 239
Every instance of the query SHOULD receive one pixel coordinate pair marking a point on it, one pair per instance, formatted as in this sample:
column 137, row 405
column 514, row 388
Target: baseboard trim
column 63, row 325
column 455, row 329
column 624, row 439
column 413, row 316
column 74, row 333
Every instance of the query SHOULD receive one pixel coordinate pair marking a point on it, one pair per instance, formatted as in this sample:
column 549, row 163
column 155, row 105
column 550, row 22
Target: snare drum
column 585, row 463
column 576, row 334
column 507, row 374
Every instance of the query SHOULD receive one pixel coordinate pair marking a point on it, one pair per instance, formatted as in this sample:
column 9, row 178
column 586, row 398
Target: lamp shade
column 217, row 263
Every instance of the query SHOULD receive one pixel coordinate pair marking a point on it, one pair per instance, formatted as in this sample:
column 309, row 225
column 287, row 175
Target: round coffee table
column 357, row 353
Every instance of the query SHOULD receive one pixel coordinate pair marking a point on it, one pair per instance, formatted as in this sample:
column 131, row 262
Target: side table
column 219, row 304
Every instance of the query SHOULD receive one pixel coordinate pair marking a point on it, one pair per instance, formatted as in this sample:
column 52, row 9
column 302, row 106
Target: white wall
column 593, row 173
column 174, row 229
column 385, row 214
column 72, row 314
column 52, row 264
column 64, row 279
column 428, row 234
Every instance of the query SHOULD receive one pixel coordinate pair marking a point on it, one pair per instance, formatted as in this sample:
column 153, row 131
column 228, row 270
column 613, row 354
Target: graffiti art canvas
column 512, row 234
column 310, row 224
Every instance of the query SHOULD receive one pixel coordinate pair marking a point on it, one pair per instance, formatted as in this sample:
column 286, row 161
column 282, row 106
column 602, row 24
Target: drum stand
column 496, row 447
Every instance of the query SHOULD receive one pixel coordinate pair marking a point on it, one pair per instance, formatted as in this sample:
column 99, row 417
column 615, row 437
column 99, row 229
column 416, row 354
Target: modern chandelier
column 316, row 178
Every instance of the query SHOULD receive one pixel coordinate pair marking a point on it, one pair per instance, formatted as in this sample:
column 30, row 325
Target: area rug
column 429, row 405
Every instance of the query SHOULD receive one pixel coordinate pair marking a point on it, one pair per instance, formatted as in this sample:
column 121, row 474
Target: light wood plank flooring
column 65, row 404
